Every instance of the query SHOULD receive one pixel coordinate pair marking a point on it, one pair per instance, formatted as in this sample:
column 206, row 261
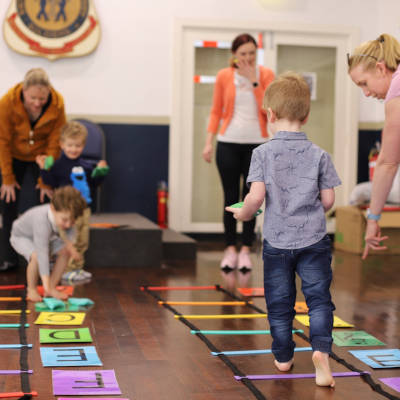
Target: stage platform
column 135, row 241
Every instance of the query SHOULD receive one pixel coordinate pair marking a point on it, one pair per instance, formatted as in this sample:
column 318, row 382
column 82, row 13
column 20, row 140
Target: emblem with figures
column 52, row 28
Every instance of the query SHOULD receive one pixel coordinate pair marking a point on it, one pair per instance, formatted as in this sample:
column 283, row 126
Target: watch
column 375, row 217
column 255, row 84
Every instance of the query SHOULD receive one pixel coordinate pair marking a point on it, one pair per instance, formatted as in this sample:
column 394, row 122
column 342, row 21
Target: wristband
column 375, row 217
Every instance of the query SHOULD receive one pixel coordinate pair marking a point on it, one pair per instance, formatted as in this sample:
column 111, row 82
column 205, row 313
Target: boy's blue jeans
column 313, row 265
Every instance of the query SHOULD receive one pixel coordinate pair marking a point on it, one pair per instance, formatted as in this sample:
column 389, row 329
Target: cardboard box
column 350, row 230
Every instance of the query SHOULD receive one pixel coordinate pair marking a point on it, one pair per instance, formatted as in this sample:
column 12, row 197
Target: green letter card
column 65, row 335
column 355, row 338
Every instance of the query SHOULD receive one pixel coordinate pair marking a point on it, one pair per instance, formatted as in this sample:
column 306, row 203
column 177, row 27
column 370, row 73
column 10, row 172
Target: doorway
column 196, row 198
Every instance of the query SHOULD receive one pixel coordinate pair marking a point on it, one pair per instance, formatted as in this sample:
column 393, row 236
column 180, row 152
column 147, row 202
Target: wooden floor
column 155, row 356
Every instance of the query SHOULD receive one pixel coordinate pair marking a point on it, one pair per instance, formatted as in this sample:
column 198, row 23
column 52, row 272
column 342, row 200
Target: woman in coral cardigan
column 31, row 116
column 237, row 102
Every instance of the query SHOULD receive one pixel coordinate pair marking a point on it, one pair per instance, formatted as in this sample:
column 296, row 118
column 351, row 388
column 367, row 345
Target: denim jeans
column 313, row 265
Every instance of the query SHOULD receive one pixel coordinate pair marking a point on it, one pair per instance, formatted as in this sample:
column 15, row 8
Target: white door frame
column 344, row 39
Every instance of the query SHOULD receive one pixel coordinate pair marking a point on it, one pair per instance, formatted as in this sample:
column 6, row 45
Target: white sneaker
column 74, row 276
column 86, row 274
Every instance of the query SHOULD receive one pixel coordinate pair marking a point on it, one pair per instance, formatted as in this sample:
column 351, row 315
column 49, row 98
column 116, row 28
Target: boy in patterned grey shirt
column 297, row 179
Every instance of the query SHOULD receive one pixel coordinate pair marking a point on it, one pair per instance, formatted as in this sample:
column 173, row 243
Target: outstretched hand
column 44, row 192
column 7, row 192
column 40, row 160
column 102, row 164
column 238, row 213
column 373, row 238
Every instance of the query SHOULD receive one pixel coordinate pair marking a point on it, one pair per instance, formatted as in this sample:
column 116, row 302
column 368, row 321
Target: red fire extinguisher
column 372, row 157
column 162, row 205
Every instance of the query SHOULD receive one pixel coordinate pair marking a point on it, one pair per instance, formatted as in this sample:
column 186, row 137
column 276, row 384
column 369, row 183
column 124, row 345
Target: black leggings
column 233, row 162
column 10, row 210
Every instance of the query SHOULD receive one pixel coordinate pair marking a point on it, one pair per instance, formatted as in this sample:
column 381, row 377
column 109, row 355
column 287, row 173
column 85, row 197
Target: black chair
column 94, row 151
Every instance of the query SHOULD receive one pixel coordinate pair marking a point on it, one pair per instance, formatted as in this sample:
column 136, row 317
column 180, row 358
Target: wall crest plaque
column 52, row 28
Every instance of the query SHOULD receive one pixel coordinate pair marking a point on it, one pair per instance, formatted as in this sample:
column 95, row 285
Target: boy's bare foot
column 57, row 294
column 284, row 366
column 323, row 374
column 33, row 295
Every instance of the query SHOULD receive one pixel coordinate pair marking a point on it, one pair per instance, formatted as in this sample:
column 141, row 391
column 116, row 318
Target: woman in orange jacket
column 237, row 102
column 31, row 116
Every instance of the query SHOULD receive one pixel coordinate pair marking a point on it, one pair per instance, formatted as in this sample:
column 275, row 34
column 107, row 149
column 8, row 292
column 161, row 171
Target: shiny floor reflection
column 155, row 356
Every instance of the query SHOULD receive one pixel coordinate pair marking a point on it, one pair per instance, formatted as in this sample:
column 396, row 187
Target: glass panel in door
column 318, row 64
column 207, row 196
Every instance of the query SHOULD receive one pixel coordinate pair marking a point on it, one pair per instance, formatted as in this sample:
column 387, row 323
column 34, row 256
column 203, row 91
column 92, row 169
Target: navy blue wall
column 138, row 159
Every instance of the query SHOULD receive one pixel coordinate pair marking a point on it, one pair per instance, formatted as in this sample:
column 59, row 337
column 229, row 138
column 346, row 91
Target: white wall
column 130, row 72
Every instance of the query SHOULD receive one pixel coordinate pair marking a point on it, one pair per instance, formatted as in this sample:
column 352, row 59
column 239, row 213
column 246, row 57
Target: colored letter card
column 394, row 383
column 355, row 338
column 60, row 318
column 379, row 358
column 337, row 322
column 69, row 356
column 81, row 383
column 65, row 335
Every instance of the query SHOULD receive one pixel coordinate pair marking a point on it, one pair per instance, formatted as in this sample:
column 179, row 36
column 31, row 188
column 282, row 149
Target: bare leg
column 55, row 277
column 322, row 369
column 285, row 366
column 32, row 278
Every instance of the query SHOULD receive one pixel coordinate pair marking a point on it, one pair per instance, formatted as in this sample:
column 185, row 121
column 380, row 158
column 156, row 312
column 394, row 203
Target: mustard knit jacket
column 16, row 141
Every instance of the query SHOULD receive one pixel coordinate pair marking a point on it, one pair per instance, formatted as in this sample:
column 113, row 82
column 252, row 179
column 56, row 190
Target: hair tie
column 381, row 39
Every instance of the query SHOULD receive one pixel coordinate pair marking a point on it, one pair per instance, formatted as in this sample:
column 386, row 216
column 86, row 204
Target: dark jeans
column 313, row 265
column 10, row 210
column 233, row 162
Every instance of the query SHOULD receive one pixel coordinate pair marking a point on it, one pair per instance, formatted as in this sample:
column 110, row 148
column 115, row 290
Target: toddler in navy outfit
column 72, row 169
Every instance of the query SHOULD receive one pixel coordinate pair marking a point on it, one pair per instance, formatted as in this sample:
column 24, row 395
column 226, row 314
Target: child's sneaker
column 86, row 274
column 74, row 276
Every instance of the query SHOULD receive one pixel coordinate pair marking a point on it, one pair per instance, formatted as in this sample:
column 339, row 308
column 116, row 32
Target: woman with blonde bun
column 374, row 67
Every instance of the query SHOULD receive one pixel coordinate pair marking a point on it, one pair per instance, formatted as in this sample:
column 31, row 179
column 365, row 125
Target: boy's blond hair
column 73, row 130
column 288, row 96
column 67, row 198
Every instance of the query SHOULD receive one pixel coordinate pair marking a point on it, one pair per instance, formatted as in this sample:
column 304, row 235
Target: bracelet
column 375, row 217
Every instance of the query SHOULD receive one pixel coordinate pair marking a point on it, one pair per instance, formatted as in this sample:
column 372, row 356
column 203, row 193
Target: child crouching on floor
column 35, row 235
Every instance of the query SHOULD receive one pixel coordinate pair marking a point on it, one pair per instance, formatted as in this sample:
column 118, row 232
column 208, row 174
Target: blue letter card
column 69, row 356
column 379, row 358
